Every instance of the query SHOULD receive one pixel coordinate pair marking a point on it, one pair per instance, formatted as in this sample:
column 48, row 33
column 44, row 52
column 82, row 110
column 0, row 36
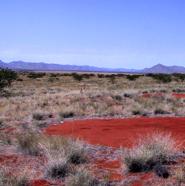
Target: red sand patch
column 149, row 95
column 40, row 183
column 8, row 159
column 179, row 96
column 112, row 167
column 118, row 132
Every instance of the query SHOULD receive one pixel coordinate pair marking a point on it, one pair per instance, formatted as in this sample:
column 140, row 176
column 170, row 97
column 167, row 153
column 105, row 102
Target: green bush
column 6, row 77
column 164, row 78
column 34, row 75
column 179, row 77
column 77, row 77
column 133, row 77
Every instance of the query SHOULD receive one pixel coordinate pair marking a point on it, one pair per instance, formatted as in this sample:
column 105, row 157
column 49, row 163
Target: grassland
column 36, row 100
column 58, row 96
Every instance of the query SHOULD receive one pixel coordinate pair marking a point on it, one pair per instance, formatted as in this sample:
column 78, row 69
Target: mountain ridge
column 41, row 66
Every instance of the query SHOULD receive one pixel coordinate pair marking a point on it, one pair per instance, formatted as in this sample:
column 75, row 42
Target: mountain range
column 21, row 65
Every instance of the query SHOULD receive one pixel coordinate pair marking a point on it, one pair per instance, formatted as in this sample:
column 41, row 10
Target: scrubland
column 35, row 101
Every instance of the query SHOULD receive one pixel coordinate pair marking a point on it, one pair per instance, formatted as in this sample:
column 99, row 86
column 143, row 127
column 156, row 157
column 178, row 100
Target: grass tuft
column 61, row 153
column 83, row 178
column 9, row 180
column 152, row 150
column 28, row 143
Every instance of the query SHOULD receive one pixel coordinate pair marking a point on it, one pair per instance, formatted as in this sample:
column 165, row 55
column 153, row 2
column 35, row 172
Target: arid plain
column 88, row 129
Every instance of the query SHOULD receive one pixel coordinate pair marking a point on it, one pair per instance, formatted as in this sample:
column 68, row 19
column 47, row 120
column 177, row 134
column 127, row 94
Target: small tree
column 6, row 78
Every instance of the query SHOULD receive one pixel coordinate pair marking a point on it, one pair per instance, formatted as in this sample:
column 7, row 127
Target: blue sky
column 105, row 33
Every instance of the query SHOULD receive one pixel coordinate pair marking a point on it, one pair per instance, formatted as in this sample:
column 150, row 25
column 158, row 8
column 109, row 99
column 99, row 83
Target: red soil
column 112, row 167
column 179, row 96
column 8, row 159
column 149, row 95
column 118, row 132
column 40, row 183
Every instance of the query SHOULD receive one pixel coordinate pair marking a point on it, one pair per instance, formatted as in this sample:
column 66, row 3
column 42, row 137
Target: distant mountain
column 21, row 65
column 159, row 68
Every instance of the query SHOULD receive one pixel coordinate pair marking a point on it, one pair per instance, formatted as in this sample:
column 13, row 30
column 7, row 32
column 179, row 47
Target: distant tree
column 164, row 78
column 77, row 77
column 6, row 78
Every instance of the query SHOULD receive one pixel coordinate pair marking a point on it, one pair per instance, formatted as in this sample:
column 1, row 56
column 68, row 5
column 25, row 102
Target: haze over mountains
column 21, row 65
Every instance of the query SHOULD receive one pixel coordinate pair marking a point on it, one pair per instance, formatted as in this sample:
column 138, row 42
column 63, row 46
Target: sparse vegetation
column 61, row 152
column 82, row 177
column 150, row 151
column 180, row 175
column 133, row 77
column 160, row 111
column 68, row 114
column 29, row 143
column 34, row 75
column 6, row 78
column 36, row 102
column 77, row 77
column 162, row 78
column 8, row 180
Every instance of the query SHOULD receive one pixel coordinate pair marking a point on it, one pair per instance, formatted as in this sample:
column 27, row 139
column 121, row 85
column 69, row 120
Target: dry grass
column 100, row 97
column 150, row 151
column 28, row 143
column 179, row 175
column 82, row 177
column 39, row 100
column 6, row 179
column 61, row 153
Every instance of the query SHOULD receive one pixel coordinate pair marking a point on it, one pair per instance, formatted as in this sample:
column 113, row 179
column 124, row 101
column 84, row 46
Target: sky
column 103, row 33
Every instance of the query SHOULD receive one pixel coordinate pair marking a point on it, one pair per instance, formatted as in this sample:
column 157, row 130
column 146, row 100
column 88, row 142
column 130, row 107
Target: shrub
column 19, row 79
column 117, row 97
column 76, row 152
column 150, row 151
column 133, row 77
column 29, row 143
column 81, row 178
column 161, row 171
column 68, row 114
column 41, row 116
column 126, row 95
column 9, row 180
column 178, row 90
column 180, row 174
column 72, row 150
column 101, row 75
column 61, row 152
column 136, row 112
column 87, row 76
column 6, row 77
column 1, row 124
column 38, row 116
column 34, row 75
column 164, row 78
column 58, row 169
column 161, row 111
column 179, row 77
column 77, row 77
column 5, row 138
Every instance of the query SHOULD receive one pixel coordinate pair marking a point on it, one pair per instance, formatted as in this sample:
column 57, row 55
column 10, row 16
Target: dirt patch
column 179, row 96
column 40, row 183
column 118, row 132
column 150, row 95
